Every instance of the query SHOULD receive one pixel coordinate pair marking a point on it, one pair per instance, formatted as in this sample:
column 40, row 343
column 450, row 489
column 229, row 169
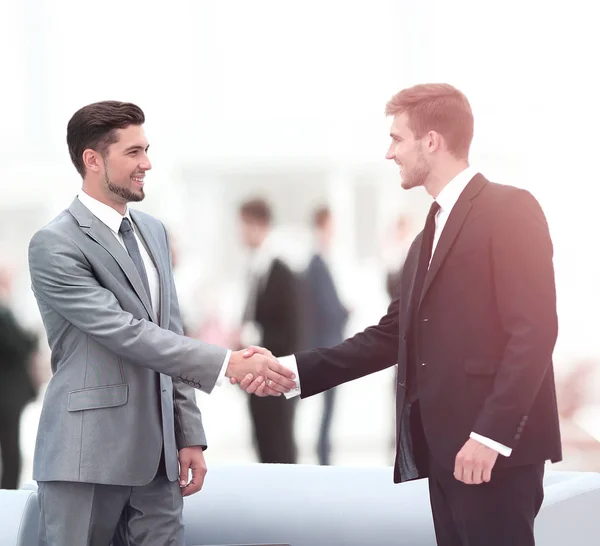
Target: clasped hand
column 258, row 372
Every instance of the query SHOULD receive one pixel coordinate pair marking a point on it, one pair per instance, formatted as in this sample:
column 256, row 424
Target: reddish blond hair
column 436, row 107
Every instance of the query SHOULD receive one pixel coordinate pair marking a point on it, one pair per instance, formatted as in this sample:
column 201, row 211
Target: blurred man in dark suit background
column 272, row 318
column 17, row 389
column 325, row 315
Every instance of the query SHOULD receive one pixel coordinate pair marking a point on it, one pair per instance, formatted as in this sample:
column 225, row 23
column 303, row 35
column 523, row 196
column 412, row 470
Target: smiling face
column 125, row 164
column 407, row 152
column 116, row 177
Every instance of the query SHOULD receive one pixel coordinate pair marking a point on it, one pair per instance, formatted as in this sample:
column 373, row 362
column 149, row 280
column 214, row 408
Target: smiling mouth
column 138, row 180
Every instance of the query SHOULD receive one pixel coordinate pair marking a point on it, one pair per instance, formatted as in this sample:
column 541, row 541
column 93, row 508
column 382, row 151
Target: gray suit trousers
column 87, row 514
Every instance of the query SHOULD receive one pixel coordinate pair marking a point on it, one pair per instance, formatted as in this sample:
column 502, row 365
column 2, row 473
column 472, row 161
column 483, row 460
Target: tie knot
column 125, row 226
column 433, row 211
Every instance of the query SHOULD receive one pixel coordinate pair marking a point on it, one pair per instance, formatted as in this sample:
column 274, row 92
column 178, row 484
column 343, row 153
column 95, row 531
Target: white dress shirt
column 446, row 200
column 112, row 220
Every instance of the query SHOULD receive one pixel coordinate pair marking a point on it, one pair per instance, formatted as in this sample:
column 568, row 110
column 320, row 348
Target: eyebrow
column 137, row 147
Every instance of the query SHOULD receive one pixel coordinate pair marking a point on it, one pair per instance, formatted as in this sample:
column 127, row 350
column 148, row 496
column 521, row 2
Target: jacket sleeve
column 370, row 351
column 526, row 300
column 63, row 280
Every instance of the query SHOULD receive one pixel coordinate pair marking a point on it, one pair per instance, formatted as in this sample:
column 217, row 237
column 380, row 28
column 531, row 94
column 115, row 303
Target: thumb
column 184, row 472
column 250, row 351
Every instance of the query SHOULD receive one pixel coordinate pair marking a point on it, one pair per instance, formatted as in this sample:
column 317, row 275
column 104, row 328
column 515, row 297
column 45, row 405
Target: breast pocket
column 109, row 396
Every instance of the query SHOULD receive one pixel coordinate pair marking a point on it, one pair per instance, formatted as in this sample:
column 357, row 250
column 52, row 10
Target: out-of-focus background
column 284, row 101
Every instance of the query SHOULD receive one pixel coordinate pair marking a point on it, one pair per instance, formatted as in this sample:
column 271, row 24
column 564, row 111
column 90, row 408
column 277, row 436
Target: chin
column 409, row 184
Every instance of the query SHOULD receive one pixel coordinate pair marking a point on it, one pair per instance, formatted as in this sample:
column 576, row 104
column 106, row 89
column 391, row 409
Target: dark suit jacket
column 276, row 310
column 486, row 329
column 16, row 347
column 325, row 315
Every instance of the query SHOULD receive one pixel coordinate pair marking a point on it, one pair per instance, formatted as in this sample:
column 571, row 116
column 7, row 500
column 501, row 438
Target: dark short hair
column 321, row 216
column 95, row 126
column 257, row 210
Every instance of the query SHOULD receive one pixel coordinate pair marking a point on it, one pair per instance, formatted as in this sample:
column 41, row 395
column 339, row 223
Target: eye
column 133, row 152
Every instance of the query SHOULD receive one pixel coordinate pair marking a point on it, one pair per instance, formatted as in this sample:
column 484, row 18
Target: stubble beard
column 124, row 193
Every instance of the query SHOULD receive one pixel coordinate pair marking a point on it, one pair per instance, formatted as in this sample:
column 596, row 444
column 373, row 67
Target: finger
column 244, row 383
column 195, row 484
column 280, row 370
column 252, row 387
column 487, row 473
column 279, row 383
column 458, row 468
column 467, row 473
column 477, row 477
column 254, row 349
column 268, row 391
column 260, row 391
column 233, row 380
column 184, row 472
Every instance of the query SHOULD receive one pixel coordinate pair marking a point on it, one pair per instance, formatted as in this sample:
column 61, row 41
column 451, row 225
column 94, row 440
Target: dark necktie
column 126, row 230
column 424, row 255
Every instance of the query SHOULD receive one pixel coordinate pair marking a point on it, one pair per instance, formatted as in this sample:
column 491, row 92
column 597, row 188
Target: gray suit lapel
column 100, row 233
column 163, row 275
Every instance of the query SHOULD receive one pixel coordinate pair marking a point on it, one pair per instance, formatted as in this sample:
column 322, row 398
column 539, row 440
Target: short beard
column 418, row 175
column 124, row 193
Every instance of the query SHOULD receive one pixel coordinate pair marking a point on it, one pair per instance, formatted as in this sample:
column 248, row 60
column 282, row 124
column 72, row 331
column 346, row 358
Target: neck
column 440, row 178
column 106, row 198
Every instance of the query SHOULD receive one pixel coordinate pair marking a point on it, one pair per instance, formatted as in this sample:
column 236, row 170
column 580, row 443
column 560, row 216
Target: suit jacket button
column 517, row 436
column 520, row 429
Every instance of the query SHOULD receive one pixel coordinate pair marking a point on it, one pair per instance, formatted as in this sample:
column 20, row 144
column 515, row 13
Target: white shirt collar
column 107, row 215
column 451, row 192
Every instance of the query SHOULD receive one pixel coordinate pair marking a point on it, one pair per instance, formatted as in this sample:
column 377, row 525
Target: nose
column 145, row 165
column 390, row 153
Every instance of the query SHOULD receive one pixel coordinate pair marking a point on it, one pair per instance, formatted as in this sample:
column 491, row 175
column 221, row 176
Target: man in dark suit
column 16, row 386
column 472, row 328
column 325, row 316
column 271, row 318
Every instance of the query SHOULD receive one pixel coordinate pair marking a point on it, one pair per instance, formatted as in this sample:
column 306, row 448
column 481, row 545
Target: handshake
column 258, row 372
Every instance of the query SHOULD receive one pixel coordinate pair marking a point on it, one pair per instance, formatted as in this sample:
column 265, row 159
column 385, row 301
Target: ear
column 92, row 160
column 433, row 141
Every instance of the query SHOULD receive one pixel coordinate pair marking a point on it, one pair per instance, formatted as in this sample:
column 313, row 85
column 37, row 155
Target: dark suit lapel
column 455, row 221
column 410, row 268
column 100, row 233
column 163, row 275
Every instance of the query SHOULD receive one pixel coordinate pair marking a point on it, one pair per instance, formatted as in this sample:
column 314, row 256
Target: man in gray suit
column 120, row 431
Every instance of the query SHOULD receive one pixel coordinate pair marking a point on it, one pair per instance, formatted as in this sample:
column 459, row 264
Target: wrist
column 233, row 361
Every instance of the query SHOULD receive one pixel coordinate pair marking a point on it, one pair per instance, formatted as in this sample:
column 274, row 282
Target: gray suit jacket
column 122, row 377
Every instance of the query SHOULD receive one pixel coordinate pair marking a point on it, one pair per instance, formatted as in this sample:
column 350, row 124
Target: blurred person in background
column 271, row 317
column 120, row 431
column 17, row 389
column 395, row 253
column 324, row 317
column 472, row 328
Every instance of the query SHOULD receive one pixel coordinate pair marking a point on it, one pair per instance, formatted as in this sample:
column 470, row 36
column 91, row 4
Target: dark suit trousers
column 273, row 424
column 10, row 467
column 498, row 513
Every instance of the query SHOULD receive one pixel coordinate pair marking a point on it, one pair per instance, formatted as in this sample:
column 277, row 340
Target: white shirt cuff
column 223, row 369
column 290, row 363
column 496, row 446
